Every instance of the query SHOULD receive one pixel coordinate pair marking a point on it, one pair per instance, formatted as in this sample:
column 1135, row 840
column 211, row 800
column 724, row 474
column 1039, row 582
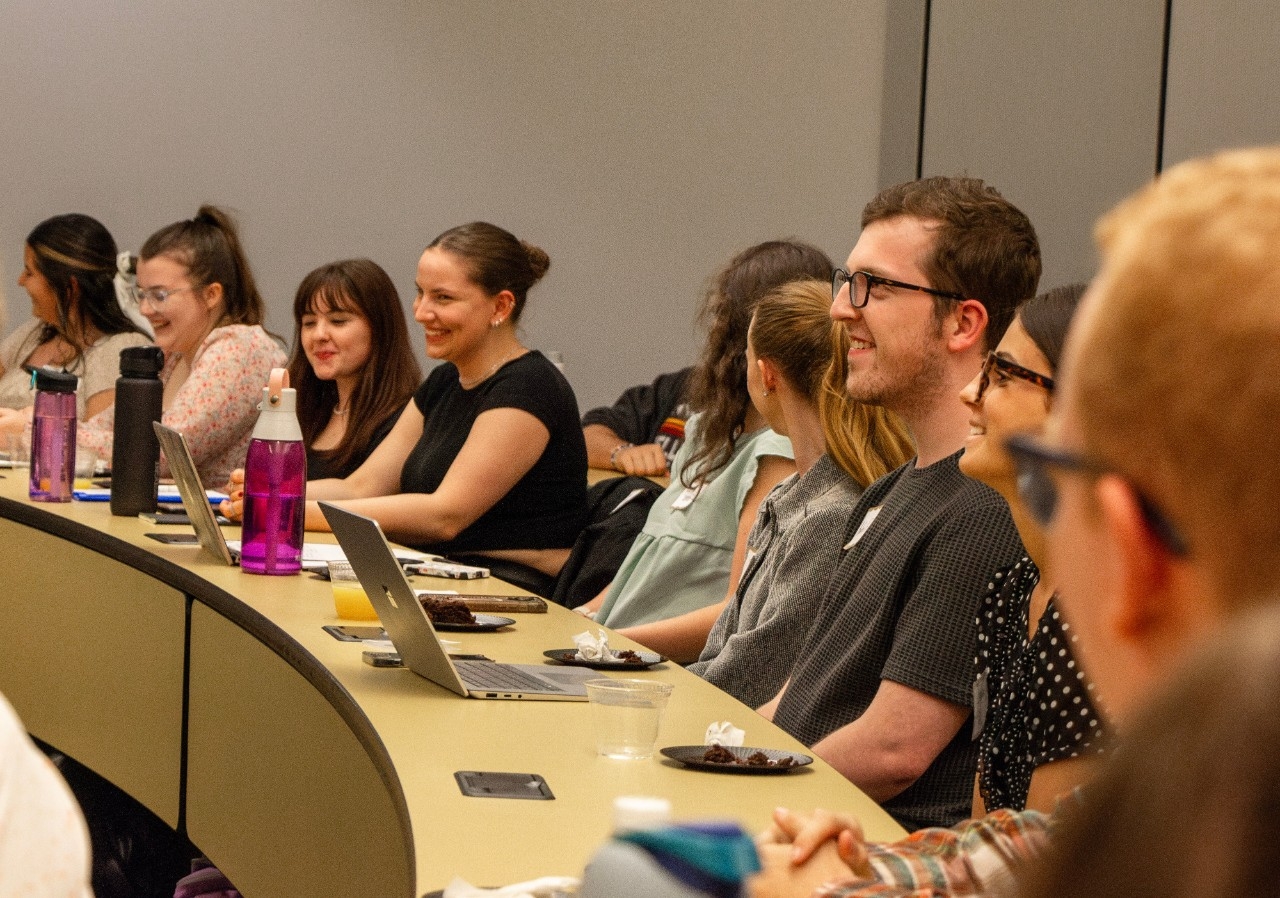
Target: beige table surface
column 309, row 772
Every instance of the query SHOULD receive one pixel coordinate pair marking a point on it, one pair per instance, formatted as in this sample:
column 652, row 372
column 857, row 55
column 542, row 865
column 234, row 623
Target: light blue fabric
column 681, row 560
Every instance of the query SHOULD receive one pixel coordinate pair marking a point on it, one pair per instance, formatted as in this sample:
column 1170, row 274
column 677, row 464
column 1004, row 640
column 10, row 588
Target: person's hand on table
column 647, row 460
column 780, row 878
column 804, row 835
column 233, row 506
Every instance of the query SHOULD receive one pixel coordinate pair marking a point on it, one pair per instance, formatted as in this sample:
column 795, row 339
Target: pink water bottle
column 53, row 436
column 275, row 485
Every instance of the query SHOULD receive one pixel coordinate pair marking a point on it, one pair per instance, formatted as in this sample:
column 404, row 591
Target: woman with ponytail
column 195, row 288
column 795, row 377
column 487, row 461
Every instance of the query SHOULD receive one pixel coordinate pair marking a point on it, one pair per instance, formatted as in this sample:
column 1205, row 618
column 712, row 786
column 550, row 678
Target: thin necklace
column 467, row 385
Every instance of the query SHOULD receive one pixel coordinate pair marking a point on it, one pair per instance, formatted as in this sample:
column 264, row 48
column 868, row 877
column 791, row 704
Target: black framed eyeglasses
column 861, row 282
column 1037, row 489
column 994, row 362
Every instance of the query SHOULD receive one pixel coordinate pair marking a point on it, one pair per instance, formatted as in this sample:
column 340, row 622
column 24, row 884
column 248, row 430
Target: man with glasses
column 882, row 688
column 1157, row 481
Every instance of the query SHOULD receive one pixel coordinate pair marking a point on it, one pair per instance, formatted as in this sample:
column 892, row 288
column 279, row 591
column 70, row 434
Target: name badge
column 685, row 499
column 867, row 521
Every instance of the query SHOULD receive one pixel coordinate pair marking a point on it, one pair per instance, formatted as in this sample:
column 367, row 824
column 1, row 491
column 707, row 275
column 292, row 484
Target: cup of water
column 627, row 714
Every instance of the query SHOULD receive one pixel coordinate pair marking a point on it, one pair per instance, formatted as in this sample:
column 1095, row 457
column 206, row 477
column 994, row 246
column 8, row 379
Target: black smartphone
column 175, row 539
column 165, row 517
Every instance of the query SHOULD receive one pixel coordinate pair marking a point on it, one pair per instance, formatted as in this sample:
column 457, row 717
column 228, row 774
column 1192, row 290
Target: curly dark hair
column 718, row 386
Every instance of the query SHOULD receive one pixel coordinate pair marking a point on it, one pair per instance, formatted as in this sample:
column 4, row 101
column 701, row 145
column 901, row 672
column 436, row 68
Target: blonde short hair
column 1177, row 379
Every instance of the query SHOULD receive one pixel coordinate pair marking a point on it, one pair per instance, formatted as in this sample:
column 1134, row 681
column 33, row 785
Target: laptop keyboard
column 487, row 675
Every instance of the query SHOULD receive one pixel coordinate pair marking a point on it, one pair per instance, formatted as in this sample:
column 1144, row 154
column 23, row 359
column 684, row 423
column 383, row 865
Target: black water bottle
column 135, row 454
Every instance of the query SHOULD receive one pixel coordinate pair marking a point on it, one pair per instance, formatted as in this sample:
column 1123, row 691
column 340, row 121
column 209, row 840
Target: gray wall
column 640, row 144
column 1224, row 87
column 1066, row 108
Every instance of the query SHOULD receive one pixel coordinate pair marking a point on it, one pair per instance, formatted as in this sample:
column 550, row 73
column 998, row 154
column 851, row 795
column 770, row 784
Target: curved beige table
column 215, row 698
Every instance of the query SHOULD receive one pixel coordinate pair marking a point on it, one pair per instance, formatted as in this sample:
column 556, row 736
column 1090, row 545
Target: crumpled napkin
column 593, row 648
column 724, row 733
column 546, row 887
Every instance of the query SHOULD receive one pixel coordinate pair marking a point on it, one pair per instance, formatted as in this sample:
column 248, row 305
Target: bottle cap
column 634, row 812
column 141, row 361
column 51, row 380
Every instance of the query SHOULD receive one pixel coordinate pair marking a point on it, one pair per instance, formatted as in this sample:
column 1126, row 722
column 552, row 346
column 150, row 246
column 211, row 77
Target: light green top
column 681, row 560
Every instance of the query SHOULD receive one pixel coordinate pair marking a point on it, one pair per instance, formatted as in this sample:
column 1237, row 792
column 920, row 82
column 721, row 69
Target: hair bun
column 539, row 261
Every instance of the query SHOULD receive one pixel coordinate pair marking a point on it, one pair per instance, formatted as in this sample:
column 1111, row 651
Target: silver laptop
column 194, row 499
column 410, row 630
column 315, row 556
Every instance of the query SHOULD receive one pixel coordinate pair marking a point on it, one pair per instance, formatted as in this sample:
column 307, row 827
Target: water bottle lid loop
column 279, row 382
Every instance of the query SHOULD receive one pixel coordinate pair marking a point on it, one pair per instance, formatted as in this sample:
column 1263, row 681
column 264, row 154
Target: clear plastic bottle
column 53, row 436
column 275, row 485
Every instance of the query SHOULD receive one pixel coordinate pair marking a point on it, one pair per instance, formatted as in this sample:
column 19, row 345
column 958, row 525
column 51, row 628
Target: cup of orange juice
column 349, row 598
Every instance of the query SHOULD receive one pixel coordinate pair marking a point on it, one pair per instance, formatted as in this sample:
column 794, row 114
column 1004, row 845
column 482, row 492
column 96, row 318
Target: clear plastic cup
column 627, row 715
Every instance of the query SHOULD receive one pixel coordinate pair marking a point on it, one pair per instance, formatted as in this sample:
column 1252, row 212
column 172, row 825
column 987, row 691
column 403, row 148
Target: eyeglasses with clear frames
column 154, row 295
column 861, row 282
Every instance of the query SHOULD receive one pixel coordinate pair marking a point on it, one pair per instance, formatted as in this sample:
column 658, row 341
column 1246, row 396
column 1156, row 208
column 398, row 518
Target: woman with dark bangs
column 351, row 364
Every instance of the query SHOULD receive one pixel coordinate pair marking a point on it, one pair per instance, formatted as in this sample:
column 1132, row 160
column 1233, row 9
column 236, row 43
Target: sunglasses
column 1038, row 490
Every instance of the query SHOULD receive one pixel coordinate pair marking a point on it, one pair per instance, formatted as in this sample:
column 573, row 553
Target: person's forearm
column 682, row 638
column 877, row 768
column 770, row 708
column 601, row 442
column 410, row 518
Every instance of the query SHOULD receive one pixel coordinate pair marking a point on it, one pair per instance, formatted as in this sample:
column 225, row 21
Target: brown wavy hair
column 718, row 385
column 792, row 328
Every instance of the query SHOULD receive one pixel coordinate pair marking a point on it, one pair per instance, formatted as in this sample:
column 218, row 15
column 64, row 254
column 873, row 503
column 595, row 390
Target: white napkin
column 724, row 733
column 593, row 648
column 546, row 887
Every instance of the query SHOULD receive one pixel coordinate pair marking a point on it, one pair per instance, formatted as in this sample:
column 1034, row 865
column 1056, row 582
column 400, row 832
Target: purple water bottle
column 53, row 436
column 275, row 485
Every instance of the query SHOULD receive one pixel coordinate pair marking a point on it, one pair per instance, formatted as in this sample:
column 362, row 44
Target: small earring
column 765, row 391
column 495, row 322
